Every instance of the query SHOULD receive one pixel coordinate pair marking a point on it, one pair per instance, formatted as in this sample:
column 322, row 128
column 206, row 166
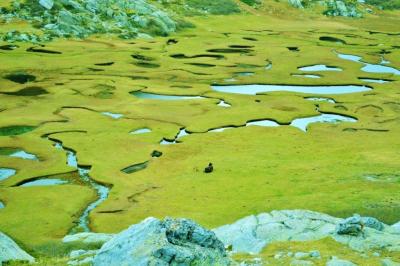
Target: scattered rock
column 48, row 4
column 301, row 263
column 335, row 261
column 166, row 242
column 389, row 262
column 350, row 226
column 81, row 252
column 279, row 255
column 251, row 234
column 301, row 255
column 125, row 18
column 372, row 223
column 10, row 251
column 296, row 3
column 315, row 254
column 396, row 227
column 85, row 261
column 88, row 238
column 81, row 257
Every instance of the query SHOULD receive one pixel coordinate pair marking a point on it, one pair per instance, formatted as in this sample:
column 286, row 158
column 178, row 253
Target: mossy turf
column 257, row 169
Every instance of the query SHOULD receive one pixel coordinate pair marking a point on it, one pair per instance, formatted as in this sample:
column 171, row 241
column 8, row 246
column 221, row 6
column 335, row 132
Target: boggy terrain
column 80, row 98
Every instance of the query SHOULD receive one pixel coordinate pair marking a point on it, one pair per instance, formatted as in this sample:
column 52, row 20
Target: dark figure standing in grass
column 209, row 168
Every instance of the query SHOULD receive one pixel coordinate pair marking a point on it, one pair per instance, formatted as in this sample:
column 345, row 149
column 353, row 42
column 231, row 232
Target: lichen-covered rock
column 338, row 262
column 350, row 226
column 341, row 8
column 81, row 18
column 296, row 3
column 389, row 262
column 48, row 4
column 297, row 262
column 333, row 7
column 88, row 238
column 10, row 251
column 163, row 242
column 372, row 222
column 251, row 234
column 396, row 227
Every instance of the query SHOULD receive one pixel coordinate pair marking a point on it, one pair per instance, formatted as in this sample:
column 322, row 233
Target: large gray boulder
column 163, row 242
column 10, row 251
column 253, row 233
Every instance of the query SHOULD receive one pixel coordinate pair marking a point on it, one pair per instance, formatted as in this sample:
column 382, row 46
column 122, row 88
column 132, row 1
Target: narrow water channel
column 102, row 191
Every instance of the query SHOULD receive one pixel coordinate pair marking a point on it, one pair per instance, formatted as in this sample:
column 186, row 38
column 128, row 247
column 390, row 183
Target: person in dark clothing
column 209, row 168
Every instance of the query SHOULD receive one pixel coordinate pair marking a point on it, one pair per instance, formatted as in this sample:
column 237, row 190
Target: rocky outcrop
column 251, row 234
column 332, row 7
column 396, row 227
column 163, row 242
column 88, row 238
column 10, row 251
column 296, row 3
column 81, row 18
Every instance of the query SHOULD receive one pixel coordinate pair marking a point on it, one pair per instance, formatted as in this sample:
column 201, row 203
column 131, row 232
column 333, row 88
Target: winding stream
column 102, row 191
column 44, row 182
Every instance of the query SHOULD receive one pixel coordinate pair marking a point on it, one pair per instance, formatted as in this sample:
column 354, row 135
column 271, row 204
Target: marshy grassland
column 61, row 89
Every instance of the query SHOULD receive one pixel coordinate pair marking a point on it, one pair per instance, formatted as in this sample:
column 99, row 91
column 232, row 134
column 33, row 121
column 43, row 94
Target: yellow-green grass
column 256, row 169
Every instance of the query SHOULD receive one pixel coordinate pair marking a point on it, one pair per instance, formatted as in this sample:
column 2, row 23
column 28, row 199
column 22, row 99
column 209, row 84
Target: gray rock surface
column 48, row 4
column 251, row 234
column 350, row 226
column 163, row 242
column 372, row 222
column 389, row 262
column 396, row 227
column 81, row 18
column 338, row 262
column 10, row 251
column 296, row 3
column 88, row 238
column 301, row 255
column 301, row 263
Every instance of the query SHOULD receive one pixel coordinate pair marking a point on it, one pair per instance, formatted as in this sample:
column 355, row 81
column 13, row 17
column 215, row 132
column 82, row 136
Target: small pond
column 303, row 123
column 370, row 68
column 256, row 88
column 222, row 103
column 113, row 115
column 140, row 131
column 18, row 153
column 320, row 68
column 306, row 76
column 6, row 173
column 154, row 96
column 44, row 182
